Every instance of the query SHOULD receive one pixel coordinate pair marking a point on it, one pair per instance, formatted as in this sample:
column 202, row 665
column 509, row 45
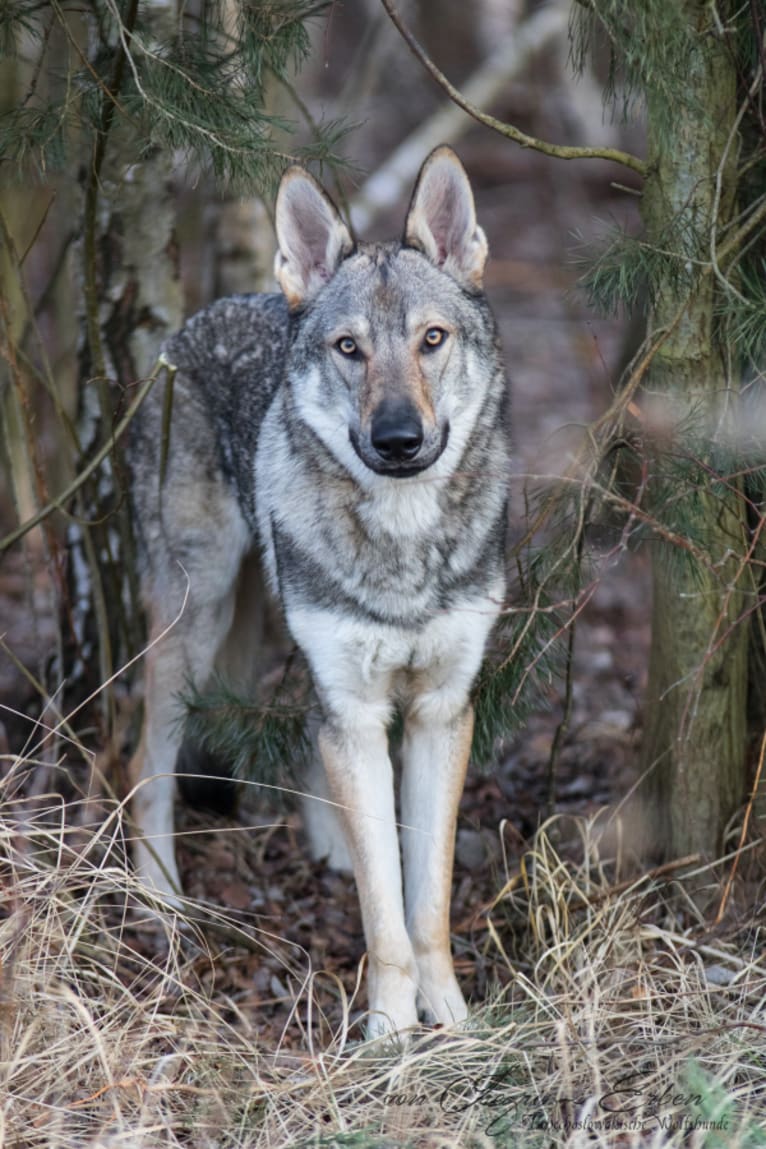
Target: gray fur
column 273, row 447
column 235, row 394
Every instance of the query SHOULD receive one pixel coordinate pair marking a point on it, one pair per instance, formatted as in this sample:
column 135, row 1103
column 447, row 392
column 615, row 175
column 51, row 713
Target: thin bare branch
column 559, row 151
column 59, row 502
column 387, row 184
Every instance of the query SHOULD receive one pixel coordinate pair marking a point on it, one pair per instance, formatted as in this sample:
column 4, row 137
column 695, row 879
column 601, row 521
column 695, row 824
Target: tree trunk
column 133, row 301
column 695, row 731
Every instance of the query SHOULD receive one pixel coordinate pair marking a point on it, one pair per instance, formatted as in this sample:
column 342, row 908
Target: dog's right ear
column 312, row 237
column 441, row 221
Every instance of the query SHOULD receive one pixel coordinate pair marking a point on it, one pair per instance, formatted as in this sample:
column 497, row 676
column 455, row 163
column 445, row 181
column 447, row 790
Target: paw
column 394, row 1022
column 393, row 1008
column 440, row 1001
column 158, row 874
column 325, row 833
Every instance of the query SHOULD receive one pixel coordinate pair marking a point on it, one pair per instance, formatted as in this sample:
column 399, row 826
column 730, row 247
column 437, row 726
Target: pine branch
column 508, row 130
column 745, row 322
column 650, row 46
column 199, row 91
column 252, row 741
column 34, row 132
column 626, row 272
column 509, row 689
column 19, row 17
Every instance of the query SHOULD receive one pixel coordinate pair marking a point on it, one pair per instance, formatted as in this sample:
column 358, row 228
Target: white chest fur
column 366, row 668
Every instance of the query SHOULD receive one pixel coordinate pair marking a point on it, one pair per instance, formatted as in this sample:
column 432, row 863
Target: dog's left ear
column 312, row 237
column 441, row 220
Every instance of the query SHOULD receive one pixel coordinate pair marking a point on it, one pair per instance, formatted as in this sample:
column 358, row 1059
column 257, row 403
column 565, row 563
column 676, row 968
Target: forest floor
column 609, row 974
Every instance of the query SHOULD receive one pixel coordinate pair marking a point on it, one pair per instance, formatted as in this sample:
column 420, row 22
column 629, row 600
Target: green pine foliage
column 191, row 101
column 625, row 274
column 525, row 657
column 266, row 743
column 648, row 46
column 742, row 315
column 186, row 83
column 19, row 18
column 34, row 137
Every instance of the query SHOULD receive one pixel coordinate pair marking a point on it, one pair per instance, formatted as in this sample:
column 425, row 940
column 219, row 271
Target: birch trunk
column 133, row 297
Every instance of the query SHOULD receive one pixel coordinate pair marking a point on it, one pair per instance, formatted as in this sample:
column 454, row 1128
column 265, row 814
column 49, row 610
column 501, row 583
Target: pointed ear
column 312, row 238
column 441, row 220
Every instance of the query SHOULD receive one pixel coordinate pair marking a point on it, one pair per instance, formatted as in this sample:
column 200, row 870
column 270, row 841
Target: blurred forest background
column 139, row 155
column 100, row 265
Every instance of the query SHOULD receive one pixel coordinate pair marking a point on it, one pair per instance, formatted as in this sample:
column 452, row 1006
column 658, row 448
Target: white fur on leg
column 154, row 848
column 435, row 757
column 361, row 782
column 356, row 667
column 184, row 655
column 322, row 820
column 155, row 862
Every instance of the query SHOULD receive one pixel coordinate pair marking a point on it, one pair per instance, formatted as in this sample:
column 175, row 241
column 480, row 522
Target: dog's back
column 228, row 360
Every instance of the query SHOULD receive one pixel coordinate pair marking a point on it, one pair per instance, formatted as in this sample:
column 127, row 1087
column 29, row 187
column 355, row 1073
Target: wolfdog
column 351, row 430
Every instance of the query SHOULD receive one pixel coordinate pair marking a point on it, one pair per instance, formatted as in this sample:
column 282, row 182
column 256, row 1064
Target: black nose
column 396, row 431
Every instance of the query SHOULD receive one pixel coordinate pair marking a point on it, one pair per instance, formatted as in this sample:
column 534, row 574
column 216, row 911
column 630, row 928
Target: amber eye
column 347, row 346
column 434, row 337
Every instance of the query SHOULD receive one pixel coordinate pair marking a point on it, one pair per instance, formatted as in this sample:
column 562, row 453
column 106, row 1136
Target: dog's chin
column 399, row 470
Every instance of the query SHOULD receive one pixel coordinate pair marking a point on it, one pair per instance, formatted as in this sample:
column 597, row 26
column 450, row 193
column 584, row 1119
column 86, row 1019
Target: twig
column 732, row 242
column 44, row 375
column 58, row 502
column 339, row 194
column 26, row 418
column 509, row 130
column 743, row 835
column 563, row 726
column 614, row 412
column 385, row 186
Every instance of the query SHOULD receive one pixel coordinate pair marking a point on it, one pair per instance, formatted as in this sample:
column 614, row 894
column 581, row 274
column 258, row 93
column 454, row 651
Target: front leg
column 355, row 755
column 352, row 663
column 435, row 758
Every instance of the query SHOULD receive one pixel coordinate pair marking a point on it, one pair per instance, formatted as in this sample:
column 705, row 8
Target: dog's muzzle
column 398, row 444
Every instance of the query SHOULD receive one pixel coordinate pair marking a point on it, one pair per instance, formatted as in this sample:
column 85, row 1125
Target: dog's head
column 393, row 342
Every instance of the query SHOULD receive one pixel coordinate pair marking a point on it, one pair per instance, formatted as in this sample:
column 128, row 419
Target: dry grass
column 628, row 1025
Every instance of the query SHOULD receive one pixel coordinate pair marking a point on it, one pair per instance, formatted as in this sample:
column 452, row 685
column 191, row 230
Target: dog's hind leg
column 181, row 659
column 153, row 769
column 180, row 656
column 321, row 817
